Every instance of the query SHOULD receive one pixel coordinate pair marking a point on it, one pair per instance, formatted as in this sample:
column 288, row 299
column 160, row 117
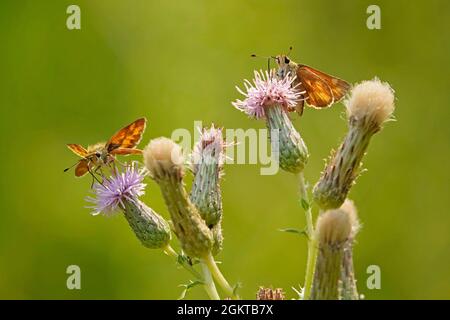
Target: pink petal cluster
column 267, row 90
column 111, row 196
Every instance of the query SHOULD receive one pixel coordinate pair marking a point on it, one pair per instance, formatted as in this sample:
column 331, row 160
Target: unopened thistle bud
column 270, row 294
column 207, row 160
column 121, row 192
column 334, row 227
column 348, row 289
column 371, row 103
column 271, row 98
column 164, row 160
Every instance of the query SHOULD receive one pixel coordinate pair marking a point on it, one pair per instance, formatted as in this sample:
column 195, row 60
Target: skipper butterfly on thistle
column 123, row 142
column 321, row 89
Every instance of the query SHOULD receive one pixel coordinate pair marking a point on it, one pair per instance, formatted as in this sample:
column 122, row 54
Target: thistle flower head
column 152, row 230
column 370, row 104
column 207, row 160
column 371, row 99
column 116, row 190
column 164, row 160
column 265, row 91
column 211, row 145
column 271, row 98
column 333, row 231
column 163, row 157
column 334, row 227
column 270, row 294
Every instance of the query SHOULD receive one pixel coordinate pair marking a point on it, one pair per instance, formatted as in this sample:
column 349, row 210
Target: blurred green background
column 179, row 61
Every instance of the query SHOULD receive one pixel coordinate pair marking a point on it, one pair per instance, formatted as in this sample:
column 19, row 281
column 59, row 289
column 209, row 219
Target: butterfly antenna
column 268, row 59
column 67, row 169
column 290, row 50
column 264, row 57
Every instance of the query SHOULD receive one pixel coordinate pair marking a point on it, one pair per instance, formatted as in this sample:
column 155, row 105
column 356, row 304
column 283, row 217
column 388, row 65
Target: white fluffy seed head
column 163, row 157
column 349, row 207
column 335, row 226
column 372, row 99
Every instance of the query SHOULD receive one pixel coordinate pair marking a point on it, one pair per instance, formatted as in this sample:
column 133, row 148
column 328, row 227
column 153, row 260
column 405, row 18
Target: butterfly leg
column 93, row 180
column 111, row 168
column 97, row 169
column 113, row 165
column 94, row 177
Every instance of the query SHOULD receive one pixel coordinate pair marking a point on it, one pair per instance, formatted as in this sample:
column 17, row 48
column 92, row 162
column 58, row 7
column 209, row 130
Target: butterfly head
column 98, row 152
column 285, row 66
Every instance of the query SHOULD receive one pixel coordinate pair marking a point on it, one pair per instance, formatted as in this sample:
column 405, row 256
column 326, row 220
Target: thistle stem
column 328, row 272
column 312, row 245
column 218, row 276
column 348, row 281
column 310, row 264
column 209, row 285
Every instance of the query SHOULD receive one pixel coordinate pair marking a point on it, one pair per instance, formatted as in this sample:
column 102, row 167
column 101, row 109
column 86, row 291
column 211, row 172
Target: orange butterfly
column 321, row 89
column 122, row 142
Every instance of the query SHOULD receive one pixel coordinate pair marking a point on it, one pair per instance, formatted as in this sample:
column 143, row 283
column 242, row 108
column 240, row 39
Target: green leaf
column 187, row 287
column 305, row 204
column 295, row 231
column 183, row 259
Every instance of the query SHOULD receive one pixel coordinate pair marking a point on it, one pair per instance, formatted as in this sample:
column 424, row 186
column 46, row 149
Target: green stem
column 312, row 245
column 218, row 276
column 210, row 288
column 310, row 264
column 304, row 196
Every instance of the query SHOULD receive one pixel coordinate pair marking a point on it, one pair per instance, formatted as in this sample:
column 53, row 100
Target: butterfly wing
column 78, row 149
column 338, row 86
column 125, row 151
column 82, row 168
column 322, row 90
column 128, row 137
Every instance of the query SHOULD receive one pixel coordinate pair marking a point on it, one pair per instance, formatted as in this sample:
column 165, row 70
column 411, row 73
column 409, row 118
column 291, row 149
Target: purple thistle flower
column 267, row 90
column 271, row 98
column 210, row 148
column 116, row 190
